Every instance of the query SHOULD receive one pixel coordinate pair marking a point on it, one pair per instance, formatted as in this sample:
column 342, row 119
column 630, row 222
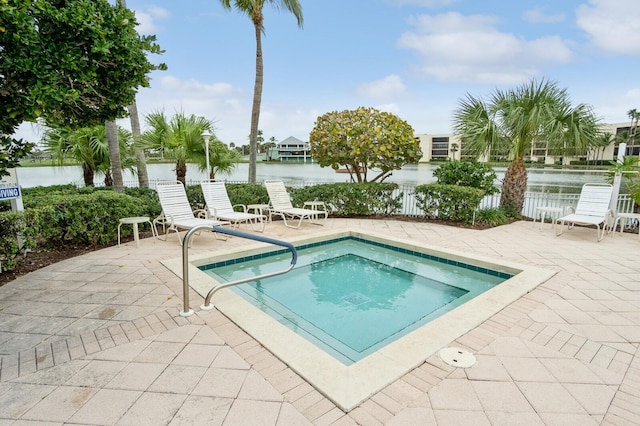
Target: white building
column 293, row 150
column 437, row 147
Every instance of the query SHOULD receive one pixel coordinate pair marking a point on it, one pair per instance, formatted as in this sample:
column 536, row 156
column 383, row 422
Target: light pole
column 206, row 135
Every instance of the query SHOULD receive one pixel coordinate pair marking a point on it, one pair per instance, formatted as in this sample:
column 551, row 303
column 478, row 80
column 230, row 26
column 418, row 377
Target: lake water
column 539, row 180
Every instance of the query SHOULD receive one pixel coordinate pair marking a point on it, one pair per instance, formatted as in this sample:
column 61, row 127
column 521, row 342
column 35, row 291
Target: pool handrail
column 232, row 232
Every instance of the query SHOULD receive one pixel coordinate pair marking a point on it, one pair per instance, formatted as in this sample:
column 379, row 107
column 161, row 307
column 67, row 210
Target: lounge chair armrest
column 169, row 221
column 201, row 213
column 244, row 207
column 569, row 210
column 160, row 219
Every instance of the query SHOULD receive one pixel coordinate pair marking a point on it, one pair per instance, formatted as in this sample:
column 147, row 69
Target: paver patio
column 98, row 340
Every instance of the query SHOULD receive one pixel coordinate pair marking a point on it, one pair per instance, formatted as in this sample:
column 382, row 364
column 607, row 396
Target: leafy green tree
column 253, row 9
column 73, row 63
column 512, row 119
column 364, row 139
column 87, row 146
column 179, row 138
column 467, row 173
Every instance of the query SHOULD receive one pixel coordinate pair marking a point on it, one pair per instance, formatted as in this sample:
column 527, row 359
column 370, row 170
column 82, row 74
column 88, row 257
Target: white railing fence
column 532, row 200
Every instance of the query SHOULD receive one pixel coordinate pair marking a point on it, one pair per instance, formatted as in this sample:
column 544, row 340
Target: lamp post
column 206, row 135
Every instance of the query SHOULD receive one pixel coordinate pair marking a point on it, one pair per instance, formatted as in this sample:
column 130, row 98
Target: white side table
column 554, row 213
column 135, row 221
column 261, row 209
column 625, row 217
column 319, row 206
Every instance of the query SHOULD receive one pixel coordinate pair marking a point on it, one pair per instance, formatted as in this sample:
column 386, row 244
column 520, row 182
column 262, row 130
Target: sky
column 414, row 58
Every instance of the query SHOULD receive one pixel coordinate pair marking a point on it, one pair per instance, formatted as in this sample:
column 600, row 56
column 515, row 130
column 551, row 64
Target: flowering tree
column 364, row 139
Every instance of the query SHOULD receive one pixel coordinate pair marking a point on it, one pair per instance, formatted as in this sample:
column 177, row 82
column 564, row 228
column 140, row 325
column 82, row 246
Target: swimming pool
column 351, row 296
column 349, row 385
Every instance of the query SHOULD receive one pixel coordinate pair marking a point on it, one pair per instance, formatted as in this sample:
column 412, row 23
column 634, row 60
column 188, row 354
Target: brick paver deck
column 98, row 340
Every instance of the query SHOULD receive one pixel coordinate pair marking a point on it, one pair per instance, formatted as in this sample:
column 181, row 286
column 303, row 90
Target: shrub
column 84, row 218
column 247, row 193
column 13, row 224
column 194, row 194
column 467, row 173
column 348, row 199
column 450, row 202
column 239, row 193
column 48, row 190
column 148, row 198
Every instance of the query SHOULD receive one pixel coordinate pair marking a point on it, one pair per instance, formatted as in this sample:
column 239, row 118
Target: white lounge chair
column 219, row 207
column 176, row 210
column 281, row 205
column 592, row 209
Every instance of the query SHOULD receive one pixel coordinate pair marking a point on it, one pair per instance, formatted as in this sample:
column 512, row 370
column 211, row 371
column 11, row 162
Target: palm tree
column 179, row 139
column 514, row 118
column 253, row 9
column 602, row 141
column 634, row 115
column 89, row 147
column 222, row 160
column 114, row 155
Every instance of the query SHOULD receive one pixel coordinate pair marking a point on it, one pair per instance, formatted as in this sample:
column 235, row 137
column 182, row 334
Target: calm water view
column 540, row 180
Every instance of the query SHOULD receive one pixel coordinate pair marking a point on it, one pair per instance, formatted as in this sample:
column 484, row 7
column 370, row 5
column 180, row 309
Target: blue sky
column 414, row 58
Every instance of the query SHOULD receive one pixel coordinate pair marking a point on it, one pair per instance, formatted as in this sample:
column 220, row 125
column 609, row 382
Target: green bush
column 12, row 224
column 247, row 193
column 467, row 173
column 148, row 198
column 239, row 193
column 84, row 218
column 194, row 194
column 348, row 199
column 48, row 190
column 450, row 202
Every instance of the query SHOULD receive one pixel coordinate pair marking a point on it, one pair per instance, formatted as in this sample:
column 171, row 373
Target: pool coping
column 348, row 386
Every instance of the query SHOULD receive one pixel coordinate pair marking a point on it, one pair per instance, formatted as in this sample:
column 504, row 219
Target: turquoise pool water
column 351, row 296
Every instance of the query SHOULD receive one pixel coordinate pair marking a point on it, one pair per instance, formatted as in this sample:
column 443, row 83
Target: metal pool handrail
column 185, row 264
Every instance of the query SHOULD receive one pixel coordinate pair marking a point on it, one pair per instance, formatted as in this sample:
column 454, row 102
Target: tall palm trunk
column 257, row 97
column 514, row 185
column 108, row 180
column 141, row 161
column 87, row 174
column 114, row 155
column 181, row 172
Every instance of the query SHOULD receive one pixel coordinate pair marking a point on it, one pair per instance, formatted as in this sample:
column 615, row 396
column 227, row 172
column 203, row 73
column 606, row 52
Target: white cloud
column 227, row 105
column 147, row 19
column 611, row 25
column 389, row 87
column 455, row 47
column 612, row 105
column 537, row 16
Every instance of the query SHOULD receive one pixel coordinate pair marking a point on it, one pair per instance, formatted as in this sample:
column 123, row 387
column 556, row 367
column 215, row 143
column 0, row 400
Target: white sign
column 9, row 188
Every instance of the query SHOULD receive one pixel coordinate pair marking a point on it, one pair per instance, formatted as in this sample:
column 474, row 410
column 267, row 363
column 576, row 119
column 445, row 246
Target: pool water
column 351, row 296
